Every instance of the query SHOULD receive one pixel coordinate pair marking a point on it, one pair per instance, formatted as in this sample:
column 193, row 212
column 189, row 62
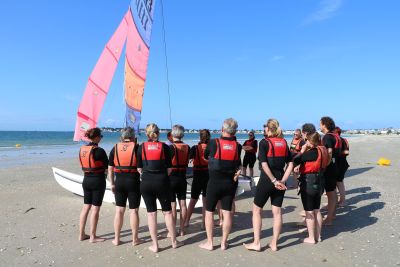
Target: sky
column 295, row 61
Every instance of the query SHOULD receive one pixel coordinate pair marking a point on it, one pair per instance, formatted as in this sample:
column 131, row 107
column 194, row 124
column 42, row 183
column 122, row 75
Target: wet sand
column 39, row 222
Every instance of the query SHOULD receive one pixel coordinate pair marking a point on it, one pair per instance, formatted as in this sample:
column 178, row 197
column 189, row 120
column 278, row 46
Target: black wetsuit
column 331, row 171
column 310, row 201
column 265, row 188
column 177, row 179
column 94, row 184
column 342, row 163
column 155, row 184
column 200, row 178
column 221, row 185
column 127, row 185
column 250, row 158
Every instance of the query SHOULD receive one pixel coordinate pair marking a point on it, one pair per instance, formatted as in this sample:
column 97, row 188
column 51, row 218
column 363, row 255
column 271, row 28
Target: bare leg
column 169, row 222
column 94, row 219
column 209, row 229
column 251, row 172
column 190, row 209
column 257, row 223
column 331, row 207
column 82, row 222
column 183, row 214
column 226, row 228
column 174, row 213
column 310, row 221
column 203, row 211
column 244, row 171
column 342, row 193
column 152, row 222
column 134, row 220
column 277, row 214
column 118, row 222
column 318, row 225
column 220, row 215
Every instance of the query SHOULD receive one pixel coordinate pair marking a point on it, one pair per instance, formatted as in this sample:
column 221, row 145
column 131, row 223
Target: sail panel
column 142, row 13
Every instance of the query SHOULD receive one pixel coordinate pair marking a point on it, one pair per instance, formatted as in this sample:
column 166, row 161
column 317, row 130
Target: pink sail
column 100, row 81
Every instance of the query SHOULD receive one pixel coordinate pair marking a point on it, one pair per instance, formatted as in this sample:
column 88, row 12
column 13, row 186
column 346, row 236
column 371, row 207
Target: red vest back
column 180, row 159
column 124, row 157
column 277, row 153
column 337, row 151
column 225, row 157
column 87, row 161
column 199, row 162
column 319, row 164
column 153, row 156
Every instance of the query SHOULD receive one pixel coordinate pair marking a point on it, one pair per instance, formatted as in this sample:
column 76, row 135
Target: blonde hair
column 273, row 128
column 230, row 126
column 314, row 139
column 152, row 131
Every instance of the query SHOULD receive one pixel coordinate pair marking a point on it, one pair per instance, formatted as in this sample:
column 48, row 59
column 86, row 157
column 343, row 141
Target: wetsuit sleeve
column 172, row 150
column 111, row 157
column 239, row 147
column 255, row 143
column 310, row 155
column 263, row 150
column 139, row 157
column 289, row 156
column 192, row 152
column 168, row 157
column 100, row 154
column 329, row 141
column 210, row 149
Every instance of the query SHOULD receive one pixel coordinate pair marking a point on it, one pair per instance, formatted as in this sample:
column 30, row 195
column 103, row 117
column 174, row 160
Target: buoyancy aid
column 124, row 157
column 199, row 162
column 319, row 164
column 295, row 145
column 180, row 159
column 337, row 150
column 226, row 156
column 88, row 164
column 250, row 143
column 278, row 148
column 153, row 156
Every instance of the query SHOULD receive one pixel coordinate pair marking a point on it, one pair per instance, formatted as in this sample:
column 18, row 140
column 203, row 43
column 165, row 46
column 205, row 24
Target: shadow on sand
column 354, row 172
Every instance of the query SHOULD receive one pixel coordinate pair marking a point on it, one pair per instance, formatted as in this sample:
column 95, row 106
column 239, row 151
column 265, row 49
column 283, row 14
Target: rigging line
column 166, row 63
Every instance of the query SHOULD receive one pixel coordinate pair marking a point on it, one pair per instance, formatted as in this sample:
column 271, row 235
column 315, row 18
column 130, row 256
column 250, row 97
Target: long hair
column 274, row 130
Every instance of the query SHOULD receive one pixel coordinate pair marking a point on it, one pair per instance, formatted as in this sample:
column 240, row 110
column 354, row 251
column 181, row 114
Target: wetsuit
column 94, row 179
column 155, row 181
column 200, row 171
column 331, row 172
column 223, row 156
column 341, row 161
column 311, row 200
column 276, row 156
column 127, row 182
column 177, row 178
column 250, row 156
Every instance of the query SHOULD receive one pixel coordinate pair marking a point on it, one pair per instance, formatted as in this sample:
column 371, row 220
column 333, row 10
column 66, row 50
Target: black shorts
column 342, row 166
column 223, row 190
column 266, row 189
column 178, row 188
column 249, row 160
column 199, row 185
column 330, row 177
column 127, row 187
column 156, row 186
column 310, row 202
column 94, row 187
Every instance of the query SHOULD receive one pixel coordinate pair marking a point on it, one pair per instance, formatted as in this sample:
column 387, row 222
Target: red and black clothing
column 123, row 157
column 330, row 140
column 341, row 161
column 94, row 162
column 200, row 171
column 180, row 159
column 250, row 156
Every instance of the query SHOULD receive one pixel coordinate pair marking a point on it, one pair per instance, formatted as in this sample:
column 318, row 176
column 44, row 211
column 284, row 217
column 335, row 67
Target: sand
column 39, row 222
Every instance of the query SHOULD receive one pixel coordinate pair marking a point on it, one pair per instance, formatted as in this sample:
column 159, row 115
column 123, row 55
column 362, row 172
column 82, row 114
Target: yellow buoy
column 383, row 162
column 17, row 145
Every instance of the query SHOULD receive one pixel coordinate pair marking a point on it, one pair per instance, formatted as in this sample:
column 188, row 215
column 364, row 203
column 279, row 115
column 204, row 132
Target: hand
column 140, row 170
column 280, row 186
column 296, row 169
column 113, row 188
column 235, row 178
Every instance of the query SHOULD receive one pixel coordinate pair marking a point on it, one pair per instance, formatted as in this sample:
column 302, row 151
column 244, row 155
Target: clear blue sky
column 292, row 60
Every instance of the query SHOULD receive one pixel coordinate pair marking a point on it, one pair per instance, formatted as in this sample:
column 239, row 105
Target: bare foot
column 177, row 244
column 252, row 246
column 96, row 239
column 224, row 246
column 84, row 237
column 181, row 232
column 137, row 241
column 309, row 241
column 207, row 246
column 153, row 248
column 273, row 247
column 319, row 239
column 116, row 242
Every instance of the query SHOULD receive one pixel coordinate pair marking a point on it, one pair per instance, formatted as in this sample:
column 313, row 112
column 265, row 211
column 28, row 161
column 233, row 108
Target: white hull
column 73, row 183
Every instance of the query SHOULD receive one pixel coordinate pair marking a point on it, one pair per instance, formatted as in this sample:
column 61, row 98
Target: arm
column 111, row 178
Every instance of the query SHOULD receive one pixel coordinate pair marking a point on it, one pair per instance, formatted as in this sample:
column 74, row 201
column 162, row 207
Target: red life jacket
column 250, row 143
column 88, row 164
column 226, row 156
column 153, row 156
column 124, row 157
column 277, row 153
column 337, row 150
column 295, row 145
column 199, row 162
column 319, row 164
column 180, row 159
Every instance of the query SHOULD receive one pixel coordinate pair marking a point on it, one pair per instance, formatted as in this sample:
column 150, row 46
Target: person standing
column 94, row 161
column 200, row 175
column 224, row 167
column 343, row 166
column 332, row 142
column 170, row 140
column 296, row 144
column 154, row 164
column 123, row 162
column 250, row 148
column 180, row 161
column 274, row 156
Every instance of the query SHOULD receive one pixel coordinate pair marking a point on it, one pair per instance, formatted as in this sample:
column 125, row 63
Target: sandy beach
column 39, row 222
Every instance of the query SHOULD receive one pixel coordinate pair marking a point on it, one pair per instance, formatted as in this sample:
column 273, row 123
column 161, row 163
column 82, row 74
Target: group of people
column 155, row 171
